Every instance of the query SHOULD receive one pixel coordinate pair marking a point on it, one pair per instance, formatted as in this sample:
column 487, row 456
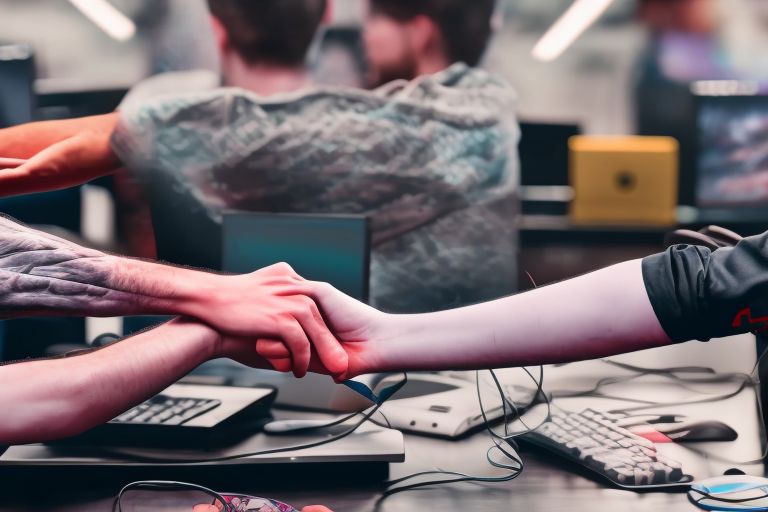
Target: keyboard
column 592, row 439
column 167, row 410
column 185, row 415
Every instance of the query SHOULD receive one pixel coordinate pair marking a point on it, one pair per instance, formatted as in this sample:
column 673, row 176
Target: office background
column 619, row 77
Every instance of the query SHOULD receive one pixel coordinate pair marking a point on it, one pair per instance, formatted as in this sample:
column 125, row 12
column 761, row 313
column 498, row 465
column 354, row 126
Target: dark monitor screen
column 330, row 248
column 732, row 163
column 17, row 75
column 543, row 153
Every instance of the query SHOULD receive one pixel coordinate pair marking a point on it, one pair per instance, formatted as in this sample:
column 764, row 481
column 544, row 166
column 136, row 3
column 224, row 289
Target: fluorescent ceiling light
column 578, row 18
column 104, row 15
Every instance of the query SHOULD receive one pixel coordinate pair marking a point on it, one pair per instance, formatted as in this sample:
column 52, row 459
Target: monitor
column 331, row 248
column 732, row 156
column 17, row 76
column 543, row 153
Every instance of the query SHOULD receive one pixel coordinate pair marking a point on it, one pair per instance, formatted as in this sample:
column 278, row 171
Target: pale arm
column 599, row 314
column 55, row 398
column 687, row 292
column 596, row 315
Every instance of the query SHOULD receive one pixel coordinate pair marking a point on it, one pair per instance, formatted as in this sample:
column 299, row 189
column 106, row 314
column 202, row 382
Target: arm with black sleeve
column 700, row 293
column 687, row 292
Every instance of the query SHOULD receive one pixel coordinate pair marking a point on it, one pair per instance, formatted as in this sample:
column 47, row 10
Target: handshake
column 273, row 318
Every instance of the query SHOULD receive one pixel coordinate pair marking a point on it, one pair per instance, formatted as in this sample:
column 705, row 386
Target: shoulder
column 175, row 83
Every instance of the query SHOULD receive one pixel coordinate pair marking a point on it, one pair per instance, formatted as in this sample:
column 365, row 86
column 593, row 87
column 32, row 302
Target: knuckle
column 322, row 287
column 284, row 268
column 302, row 306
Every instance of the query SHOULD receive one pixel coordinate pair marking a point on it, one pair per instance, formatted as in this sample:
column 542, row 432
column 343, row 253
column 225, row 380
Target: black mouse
column 698, row 431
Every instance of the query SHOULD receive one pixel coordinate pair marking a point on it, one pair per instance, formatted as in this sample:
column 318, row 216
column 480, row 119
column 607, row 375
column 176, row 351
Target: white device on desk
column 444, row 405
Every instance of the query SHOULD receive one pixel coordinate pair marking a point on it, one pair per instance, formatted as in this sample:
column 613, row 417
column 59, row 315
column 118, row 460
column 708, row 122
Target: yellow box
column 624, row 180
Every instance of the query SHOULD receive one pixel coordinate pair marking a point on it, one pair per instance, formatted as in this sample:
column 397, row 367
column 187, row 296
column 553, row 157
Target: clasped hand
column 275, row 316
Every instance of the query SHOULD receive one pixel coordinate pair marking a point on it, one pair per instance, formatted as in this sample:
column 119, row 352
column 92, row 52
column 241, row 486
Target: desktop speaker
column 623, row 180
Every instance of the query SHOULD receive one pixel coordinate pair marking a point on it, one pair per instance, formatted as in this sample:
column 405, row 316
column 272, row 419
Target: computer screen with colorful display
column 732, row 168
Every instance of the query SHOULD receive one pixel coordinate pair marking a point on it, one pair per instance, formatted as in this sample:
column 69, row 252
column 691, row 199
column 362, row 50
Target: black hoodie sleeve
column 700, row 294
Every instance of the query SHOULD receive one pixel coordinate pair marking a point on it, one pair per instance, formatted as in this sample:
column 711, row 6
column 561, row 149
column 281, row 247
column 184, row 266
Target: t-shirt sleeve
column 191, row 134
column 701, row 294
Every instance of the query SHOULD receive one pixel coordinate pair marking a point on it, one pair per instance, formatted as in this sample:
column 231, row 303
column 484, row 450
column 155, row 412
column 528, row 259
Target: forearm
column 596, row 315
column 25, row 141
column 49, row 399
column 41, row 274
column 57, row 154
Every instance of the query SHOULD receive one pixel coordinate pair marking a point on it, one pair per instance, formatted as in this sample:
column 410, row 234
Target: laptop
column 624, row 180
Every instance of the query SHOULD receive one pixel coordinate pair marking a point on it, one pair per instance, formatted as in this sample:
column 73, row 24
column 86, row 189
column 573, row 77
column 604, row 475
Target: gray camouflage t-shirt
column 432, row 162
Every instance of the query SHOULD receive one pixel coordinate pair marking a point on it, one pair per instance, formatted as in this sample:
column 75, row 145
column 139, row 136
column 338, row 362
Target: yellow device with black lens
column 624, row 180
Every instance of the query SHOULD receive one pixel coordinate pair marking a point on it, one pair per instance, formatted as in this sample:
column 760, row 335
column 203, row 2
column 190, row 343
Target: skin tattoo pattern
column 41, row 274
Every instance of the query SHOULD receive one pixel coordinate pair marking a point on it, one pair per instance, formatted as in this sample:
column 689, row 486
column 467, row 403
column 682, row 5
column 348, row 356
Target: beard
column 403, row 69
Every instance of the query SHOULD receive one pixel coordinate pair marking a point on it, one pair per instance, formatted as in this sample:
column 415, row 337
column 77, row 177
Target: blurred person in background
column 407, row 38
column 261, row 47
column 431, row 161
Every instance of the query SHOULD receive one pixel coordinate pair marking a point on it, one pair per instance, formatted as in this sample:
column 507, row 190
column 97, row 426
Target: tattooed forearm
column 41, row 274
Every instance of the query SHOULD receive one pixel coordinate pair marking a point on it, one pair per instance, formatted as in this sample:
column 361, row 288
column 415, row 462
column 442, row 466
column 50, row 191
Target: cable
column 514, row 465
column 722, row 499
column 742, row 379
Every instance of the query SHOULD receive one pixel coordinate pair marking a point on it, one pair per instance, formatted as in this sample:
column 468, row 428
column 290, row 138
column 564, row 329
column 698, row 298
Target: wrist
column 199, row 294
column 164, row 289
column 388, row 348
column 425, row 342
column 209, row 343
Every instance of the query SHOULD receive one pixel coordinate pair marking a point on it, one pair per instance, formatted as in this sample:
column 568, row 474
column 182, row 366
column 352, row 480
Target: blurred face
column 388, row 49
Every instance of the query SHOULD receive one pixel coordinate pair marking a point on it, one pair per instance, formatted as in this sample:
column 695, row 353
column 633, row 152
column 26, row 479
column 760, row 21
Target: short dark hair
column 276, row 31
column 465, row 24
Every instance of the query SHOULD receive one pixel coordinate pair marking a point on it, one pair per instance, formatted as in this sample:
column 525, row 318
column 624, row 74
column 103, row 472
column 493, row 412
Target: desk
column 547, row 483
column 541, row 487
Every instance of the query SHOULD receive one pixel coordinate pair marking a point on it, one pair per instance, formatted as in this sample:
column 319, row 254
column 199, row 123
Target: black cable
column 722, row 499
column 742, row 379
column 515, row 465
column 162, row 485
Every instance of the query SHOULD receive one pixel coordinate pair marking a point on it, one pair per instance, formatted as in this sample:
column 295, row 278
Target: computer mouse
column 697, row 431
column 686, row 431
column 730, row 492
